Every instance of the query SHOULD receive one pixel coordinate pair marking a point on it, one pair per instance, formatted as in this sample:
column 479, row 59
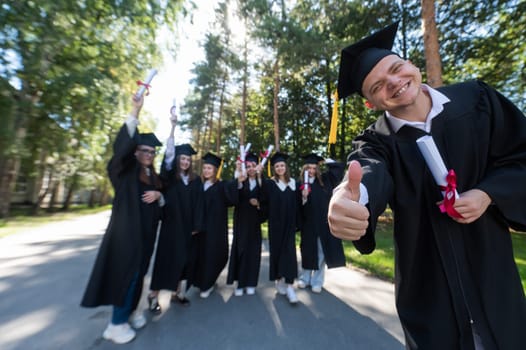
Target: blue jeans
column 121, row 314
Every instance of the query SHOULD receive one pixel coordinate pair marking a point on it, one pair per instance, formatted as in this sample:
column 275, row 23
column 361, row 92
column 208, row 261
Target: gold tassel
column 218, row 176
column 268, row 169
column 334, row 120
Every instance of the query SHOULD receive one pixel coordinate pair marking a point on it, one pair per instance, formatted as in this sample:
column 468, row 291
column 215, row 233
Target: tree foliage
column 69, row 65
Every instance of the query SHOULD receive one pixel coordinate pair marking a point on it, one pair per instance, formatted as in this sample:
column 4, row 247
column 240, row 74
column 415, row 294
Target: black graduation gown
column 128, row 242
column 281, row 210
column 212, row 242
column 314, row 225
column 448, row 273
column 182, row 215
column 245, row 254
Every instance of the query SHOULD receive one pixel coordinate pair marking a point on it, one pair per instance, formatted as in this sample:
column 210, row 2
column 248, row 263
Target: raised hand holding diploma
column 144, row 86
column 348, row 219
column 173, row 115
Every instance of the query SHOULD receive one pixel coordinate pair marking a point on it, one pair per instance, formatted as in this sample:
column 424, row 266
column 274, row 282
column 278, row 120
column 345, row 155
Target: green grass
column 20, row 220
column 381, row 262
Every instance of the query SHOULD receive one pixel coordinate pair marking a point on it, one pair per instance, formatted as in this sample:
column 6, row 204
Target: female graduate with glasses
column 127, row 246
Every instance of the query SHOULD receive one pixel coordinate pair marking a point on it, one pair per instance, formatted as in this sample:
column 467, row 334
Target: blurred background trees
column 66, row 68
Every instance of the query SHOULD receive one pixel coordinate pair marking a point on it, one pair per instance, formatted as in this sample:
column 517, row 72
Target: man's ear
column 369, row 105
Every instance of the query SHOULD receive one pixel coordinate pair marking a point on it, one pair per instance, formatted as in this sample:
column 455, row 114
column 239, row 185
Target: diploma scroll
column 243, row 150
column 173, row 109
column 306, row 180
column 144, row 85
column 264, row 156
column 445, row 179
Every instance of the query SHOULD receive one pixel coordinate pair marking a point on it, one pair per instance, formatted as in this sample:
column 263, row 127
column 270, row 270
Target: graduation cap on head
column 358, row 59
column 149, row 139
column 210, row 158
column 311, row 158
column 278, row 157
column 251, row 157
column 185, row 149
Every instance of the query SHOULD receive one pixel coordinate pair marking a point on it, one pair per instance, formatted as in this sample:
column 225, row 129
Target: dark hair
column 143, row 177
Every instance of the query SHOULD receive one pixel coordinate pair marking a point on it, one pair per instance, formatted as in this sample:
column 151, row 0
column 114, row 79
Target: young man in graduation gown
column 127, row 246
column 182, row 218
column 212, row 242
column 457, row 285
column 318, row 247
column 245, row 254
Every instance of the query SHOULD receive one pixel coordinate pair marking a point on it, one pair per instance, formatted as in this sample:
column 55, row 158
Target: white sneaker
column 291, row 295
column 206, row 293
column 238, row 292
column 137, row 320
column 119, row 333
column 251, row 290
column 302, row 284
column 316, row 289
column 281, row 287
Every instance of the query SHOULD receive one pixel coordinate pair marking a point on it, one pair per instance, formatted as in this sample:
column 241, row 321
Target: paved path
column 43, row 273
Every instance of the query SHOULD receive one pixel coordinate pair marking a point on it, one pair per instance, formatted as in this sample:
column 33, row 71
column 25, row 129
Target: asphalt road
column 43, row 273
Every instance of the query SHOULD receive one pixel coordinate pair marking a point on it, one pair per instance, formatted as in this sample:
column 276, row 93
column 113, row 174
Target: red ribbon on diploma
column 449, row 195
column 147, row 86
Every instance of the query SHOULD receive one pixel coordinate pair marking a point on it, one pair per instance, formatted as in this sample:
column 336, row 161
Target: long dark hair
column 143, row 177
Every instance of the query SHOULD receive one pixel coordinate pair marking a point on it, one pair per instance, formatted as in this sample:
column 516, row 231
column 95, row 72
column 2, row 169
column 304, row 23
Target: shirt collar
column 438, row 100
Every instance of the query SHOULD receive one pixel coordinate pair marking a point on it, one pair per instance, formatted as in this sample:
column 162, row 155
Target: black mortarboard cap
column 185, row 149
column 358, row 59
column 311, row 158
column 278, row 157
column 251, row 157
column 149, row 139
column 210, row 158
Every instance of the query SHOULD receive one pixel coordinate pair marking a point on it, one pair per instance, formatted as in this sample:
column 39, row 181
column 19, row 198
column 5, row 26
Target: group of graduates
column 457, row 285
column 192, row 210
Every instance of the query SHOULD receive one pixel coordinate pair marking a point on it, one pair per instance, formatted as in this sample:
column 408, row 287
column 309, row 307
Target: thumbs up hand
column 347, row 218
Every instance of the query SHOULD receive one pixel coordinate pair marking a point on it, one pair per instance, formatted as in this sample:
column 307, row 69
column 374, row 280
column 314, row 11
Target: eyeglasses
column 147, row 152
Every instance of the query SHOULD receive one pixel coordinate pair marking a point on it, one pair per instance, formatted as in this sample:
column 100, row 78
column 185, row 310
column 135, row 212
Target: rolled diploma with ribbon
column 244, row 151
column 146, row 83
column 436, row 165
column 266, row 154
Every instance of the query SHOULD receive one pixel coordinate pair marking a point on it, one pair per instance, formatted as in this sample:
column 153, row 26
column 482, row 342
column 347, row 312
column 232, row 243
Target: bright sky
column 172, row 80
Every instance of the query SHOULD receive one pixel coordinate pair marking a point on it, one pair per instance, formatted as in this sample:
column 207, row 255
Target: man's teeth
column 401, row 91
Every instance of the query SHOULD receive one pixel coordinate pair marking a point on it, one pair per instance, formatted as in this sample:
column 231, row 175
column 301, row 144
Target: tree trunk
column 71, row 189
column 276, row 116
column 431, row 50
column 42, row 195
column 104, row 194
column 244, row 100
column 53, row 199
column 10, row 167
column 221, row 110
